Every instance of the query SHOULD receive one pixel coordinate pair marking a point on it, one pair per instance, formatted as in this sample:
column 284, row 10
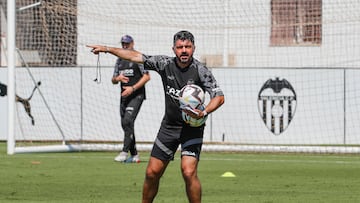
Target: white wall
column 327, row 109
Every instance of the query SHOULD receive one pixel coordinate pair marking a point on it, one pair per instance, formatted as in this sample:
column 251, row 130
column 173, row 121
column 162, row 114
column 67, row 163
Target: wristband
column 205, row 113
column 133, row 88
column 107, row 49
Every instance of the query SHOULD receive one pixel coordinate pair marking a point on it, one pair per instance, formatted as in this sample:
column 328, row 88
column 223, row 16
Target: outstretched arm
column 127, row 54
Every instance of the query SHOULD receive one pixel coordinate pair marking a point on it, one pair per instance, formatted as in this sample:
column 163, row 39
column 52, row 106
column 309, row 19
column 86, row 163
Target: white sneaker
column 121, row 157
column 133, row 159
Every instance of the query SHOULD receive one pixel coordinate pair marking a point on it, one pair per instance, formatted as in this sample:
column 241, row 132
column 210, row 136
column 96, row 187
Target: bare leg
column 192, row 182
column 154, row 171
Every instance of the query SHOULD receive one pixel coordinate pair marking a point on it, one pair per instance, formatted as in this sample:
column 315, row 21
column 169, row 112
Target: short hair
column 184, row 35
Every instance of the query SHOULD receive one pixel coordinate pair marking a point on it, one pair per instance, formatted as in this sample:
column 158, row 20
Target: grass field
column 95, row 177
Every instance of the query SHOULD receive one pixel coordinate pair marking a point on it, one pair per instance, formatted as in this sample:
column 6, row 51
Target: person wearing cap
column 175, row 72
column 132, row 78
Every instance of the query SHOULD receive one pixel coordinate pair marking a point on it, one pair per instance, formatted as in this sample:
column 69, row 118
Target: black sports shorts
column 169, row 138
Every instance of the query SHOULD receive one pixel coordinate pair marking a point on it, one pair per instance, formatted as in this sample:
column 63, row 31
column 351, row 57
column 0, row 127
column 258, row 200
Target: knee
column 152, row 174
column 126, row 122
column 188, row 173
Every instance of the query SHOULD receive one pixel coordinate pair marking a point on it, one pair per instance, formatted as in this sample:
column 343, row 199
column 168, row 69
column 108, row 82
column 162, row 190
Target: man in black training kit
column 132, row 78
column 175, row 72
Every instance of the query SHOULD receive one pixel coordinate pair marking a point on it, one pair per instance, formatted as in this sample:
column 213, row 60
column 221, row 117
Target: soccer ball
column 192, row 97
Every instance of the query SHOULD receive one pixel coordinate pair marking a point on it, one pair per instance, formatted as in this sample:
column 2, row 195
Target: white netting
column 319, row 59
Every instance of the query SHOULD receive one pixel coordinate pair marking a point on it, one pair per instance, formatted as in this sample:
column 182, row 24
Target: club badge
column 277, row 104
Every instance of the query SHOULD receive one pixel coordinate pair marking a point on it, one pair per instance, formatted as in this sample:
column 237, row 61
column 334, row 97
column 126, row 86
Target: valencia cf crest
column 277, row 104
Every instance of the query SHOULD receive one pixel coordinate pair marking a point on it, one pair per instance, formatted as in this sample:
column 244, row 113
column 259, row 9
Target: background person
column 132, row 78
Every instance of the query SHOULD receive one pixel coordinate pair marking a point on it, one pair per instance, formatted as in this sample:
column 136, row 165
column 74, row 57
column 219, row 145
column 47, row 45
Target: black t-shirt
column 174, row 78
column 134, row 72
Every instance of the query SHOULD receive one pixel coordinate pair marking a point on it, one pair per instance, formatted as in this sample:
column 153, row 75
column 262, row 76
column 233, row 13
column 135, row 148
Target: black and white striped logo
column 277, row 104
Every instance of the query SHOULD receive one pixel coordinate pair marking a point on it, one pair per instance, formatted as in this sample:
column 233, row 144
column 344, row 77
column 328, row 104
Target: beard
column 184, row 58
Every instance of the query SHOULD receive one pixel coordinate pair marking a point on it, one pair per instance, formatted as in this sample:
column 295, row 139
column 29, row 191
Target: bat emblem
column 277, row 104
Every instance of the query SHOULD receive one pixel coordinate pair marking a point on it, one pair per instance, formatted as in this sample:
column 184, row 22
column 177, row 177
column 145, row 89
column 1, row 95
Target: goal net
column 288, row 69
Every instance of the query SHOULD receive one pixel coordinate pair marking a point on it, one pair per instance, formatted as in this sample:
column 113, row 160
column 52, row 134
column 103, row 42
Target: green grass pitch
column 95, row 177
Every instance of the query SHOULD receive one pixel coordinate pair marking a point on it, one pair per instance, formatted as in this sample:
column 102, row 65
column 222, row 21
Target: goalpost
column 11, row 74
column 288, row 68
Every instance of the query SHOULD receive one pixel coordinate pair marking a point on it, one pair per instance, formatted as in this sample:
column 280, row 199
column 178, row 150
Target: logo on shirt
column 171, row 77
column 172, row 92
column 128, row 72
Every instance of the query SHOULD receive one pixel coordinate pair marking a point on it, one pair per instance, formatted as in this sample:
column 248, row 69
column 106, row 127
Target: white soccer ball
column 193, row 97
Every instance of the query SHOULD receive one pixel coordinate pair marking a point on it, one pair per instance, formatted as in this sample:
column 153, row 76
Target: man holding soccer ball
column 176, row 72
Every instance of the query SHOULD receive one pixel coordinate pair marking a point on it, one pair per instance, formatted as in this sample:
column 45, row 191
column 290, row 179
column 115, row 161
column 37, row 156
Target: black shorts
column 169, row 138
